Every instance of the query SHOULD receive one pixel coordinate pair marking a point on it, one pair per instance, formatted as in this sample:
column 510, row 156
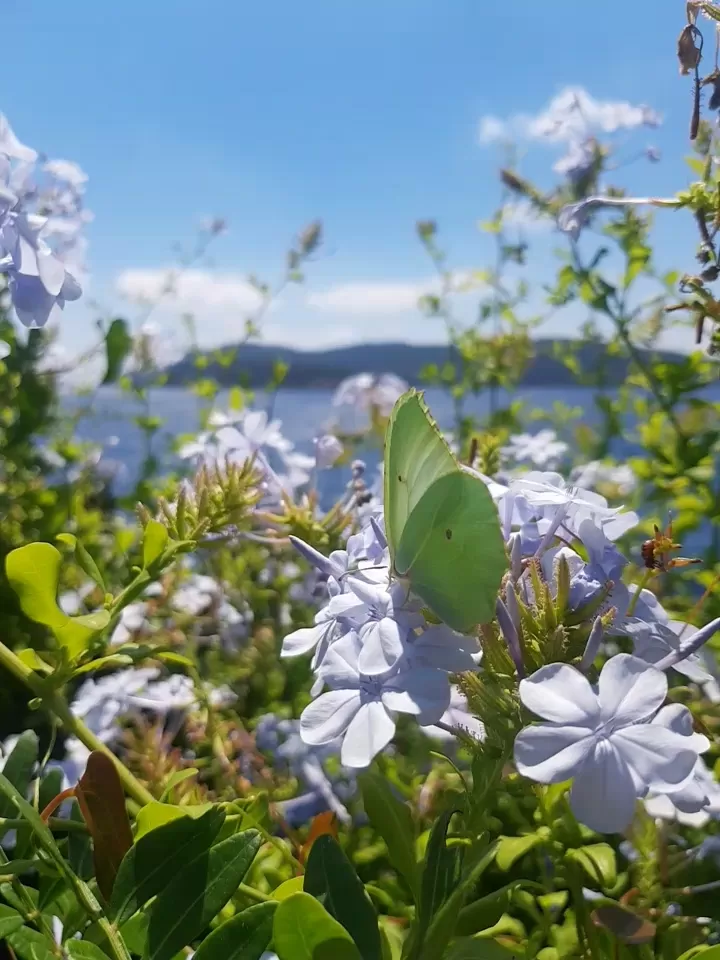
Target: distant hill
column 326, row 368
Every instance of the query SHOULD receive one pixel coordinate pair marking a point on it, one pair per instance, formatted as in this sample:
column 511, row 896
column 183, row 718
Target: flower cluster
column 374, row 650
column 375, row 656
column 41, row 222
column 251, row 435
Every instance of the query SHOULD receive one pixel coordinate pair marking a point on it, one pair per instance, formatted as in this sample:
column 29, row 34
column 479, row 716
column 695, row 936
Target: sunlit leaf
column 155, row 540
column 156, row 814
column 304, row 930
column 33, row 572
column 510, row 849
column 598, row 861
column 288, row 887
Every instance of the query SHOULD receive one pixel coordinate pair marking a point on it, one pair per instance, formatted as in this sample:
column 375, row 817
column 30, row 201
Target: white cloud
column 372, row 298
column 522, row 215
column 571, row 115
column 190, row 291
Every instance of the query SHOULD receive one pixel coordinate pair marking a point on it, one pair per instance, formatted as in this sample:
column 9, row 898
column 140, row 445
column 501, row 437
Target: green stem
column 252, row 894
column 31, row 912
column 636, row 596
column 55, row 823
column 585, row 926
column 85, row 897
column 56, row 703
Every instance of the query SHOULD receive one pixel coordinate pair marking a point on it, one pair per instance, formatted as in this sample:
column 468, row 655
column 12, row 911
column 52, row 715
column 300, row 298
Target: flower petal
column 603, row 794
column 678, row 718
column 662, row 759
column 302, row 640
column 561, row 694
column 382, row 646
column 422, row 691
column 551, row 753
column 630, row 690
column 369, row 732
column 329, row 716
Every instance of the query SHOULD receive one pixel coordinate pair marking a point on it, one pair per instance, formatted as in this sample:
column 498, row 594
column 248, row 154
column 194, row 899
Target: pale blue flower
column 602, row 739
column 699, row 799
column 361, row 709
column 457, row 717
column 331, row 623
column 328, row 449
column 543, row 449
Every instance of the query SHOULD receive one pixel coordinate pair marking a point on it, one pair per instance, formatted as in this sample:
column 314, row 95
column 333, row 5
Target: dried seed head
column 687, row 50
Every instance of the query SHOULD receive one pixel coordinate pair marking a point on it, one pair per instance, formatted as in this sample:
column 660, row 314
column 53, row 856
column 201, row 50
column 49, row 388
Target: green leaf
column 304, row 930
column 393, row 821
column 477, row 948
column 10, row 920
column 331, row 878
column 156, row 858
column 287, row 888
column 19, row 768
column 102, row 801
column 441, row 871
column 88, row 565
column 156, row 814
column 198, row 892
column 511, row 849
column 598, row 861
column 442, row 926
column 118, row 344
column 155, row 540
column 246, row 937
column 177, row 778
column 16, row 868
column 392, row 937
column 30, row 945
column 83, row 950
column 33, row 572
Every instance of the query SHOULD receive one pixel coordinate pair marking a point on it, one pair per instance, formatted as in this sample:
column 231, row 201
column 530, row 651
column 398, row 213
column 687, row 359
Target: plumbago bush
column 469, row 710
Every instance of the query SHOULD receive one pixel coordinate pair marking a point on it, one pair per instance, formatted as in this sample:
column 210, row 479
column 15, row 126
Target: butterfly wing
column 416, row 455
column 452, row 551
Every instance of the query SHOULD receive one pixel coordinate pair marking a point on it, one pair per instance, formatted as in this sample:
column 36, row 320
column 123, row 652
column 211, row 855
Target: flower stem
column 85, row 897
column 636, row 596
column 56, row 703
column 585, row 926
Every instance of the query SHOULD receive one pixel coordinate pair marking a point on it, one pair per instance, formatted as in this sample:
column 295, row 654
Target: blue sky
column 365, row 114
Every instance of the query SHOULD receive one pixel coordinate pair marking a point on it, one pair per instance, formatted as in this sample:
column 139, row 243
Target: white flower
column 362, row 709
column 542, row 449
column 328, row 449
column 364, row 390
column 603, row 739
column 596, row 473
column 196, row 595
column 458, row 717
column 699, row 799
column 100, row 703
column 133, row 619
column 177, row 693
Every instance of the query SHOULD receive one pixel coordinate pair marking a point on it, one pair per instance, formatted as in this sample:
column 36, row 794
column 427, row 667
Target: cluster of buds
column 219, row 502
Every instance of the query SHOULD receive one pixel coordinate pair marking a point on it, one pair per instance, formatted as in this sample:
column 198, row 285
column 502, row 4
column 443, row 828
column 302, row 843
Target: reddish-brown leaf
column 102, row 802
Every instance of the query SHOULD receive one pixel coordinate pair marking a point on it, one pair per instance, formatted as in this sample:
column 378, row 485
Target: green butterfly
column 441, row 524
